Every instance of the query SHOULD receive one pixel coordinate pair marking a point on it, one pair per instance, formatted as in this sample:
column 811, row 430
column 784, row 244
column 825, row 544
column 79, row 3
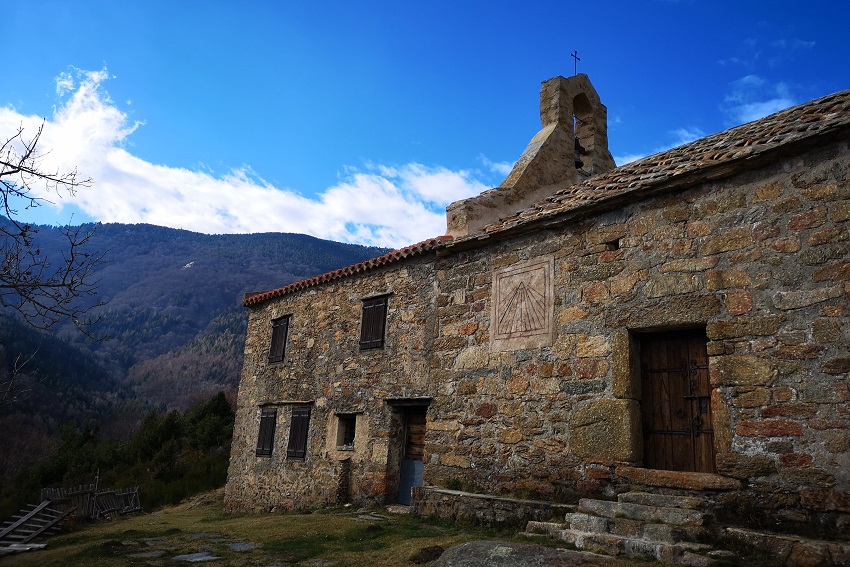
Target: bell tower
column 571, row 146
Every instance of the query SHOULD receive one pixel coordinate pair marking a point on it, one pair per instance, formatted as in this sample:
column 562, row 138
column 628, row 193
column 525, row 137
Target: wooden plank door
column 412, row 465
column 676, row 402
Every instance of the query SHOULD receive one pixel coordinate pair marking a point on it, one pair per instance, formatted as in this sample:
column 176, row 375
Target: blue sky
column 361, row 121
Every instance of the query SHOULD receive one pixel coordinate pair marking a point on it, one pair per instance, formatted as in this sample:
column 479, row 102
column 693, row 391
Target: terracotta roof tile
column 252, row 299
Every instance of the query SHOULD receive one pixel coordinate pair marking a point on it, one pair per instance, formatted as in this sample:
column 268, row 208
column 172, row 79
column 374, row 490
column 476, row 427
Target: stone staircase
column 638, row 524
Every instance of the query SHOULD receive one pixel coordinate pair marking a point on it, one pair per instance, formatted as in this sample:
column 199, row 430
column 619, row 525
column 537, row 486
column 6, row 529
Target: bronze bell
column 579, row 151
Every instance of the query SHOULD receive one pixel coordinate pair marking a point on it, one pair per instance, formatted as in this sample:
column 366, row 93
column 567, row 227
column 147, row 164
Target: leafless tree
column 14, row 384
column 44, row 290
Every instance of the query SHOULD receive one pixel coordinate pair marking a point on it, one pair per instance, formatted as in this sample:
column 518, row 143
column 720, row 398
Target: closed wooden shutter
column 265, row 439
column 279, row 330
column 374, row 322
column 298, row 430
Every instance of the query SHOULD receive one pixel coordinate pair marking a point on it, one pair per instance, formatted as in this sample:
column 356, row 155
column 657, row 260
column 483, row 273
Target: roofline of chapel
column 749, row 146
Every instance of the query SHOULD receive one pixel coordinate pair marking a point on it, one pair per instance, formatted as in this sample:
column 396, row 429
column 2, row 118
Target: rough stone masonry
column 678, row 324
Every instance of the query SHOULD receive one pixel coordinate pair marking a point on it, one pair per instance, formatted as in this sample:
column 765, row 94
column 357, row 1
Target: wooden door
column 676, row 402
column 412, row 466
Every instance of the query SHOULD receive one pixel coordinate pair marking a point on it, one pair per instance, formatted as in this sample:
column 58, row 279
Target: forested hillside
column 170, row 335
column 173, row 322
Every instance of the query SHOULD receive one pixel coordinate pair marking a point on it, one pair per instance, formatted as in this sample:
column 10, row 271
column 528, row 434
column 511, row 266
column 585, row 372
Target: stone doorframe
column 626, row 388
column 609, row 431
column 395, row 449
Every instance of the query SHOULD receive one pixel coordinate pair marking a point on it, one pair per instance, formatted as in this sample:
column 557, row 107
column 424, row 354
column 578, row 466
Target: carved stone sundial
column 521, row 316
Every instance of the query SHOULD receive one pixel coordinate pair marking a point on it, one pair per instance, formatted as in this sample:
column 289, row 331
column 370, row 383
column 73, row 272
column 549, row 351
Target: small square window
column 345, row 430
column 280, row 327
column 298, row 431
column 374, row 322
column 265, row 439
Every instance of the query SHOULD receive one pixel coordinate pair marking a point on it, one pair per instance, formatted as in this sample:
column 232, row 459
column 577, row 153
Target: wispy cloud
column 752, row 97
column 686, row 135
column 372, row 204
column 758, row 52
column 502, row 167
column 677, row 137
column 628, row 158
column 793, row 43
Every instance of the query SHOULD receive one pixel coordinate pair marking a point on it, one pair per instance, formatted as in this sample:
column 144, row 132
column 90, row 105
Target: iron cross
column 576, row 59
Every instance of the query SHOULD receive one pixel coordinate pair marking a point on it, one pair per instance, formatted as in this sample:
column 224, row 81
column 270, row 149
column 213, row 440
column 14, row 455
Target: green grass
column 333, row 534
column 329, row 535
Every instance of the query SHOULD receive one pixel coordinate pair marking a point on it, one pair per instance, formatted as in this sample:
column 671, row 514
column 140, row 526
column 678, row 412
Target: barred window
column 265, row 439
column 374, row 322
column 280, row 327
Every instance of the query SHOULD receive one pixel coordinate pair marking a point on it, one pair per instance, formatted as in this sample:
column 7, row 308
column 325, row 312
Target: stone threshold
column 676, row 479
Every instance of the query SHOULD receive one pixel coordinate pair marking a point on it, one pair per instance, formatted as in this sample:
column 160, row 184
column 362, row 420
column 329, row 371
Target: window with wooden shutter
column 298, row 430
column 265, row 439
column 374, row 322
column 280, row 327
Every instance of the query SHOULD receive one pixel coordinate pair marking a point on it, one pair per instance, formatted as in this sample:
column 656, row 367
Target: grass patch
column 334, row 534
column 137, row 534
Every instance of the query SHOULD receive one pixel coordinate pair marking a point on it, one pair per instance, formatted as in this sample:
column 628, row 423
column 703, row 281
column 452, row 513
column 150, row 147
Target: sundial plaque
column 522, row 305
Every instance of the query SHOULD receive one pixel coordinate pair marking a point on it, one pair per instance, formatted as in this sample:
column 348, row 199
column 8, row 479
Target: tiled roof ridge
column 723, row 148
column 251, row 299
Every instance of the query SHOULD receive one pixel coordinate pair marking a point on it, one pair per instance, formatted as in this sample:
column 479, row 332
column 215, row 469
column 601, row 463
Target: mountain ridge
column 173, row 322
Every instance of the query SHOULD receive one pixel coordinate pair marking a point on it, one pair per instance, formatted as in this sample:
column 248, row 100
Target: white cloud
column 375, row 205
column 628, row 158
column 679, row 136
column 686, row 135
column 793, row 43
column 753, row 97
column 502, row 167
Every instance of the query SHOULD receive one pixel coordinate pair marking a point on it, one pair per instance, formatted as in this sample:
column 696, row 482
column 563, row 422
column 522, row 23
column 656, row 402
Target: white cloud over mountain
column 372, row 204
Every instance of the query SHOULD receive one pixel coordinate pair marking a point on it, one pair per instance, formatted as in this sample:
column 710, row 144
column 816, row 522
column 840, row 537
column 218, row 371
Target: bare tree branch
column 16, row 386
column 45, row 291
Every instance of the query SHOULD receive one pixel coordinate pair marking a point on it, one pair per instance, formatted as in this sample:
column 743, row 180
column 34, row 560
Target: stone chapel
column 676, row 325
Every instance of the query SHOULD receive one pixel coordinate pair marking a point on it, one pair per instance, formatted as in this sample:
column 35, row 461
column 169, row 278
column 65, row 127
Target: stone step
column 648, row 514
column 790, row 548
column 638, row 529
column 661, row 500
column 590, row 523
column 551, row 529
column 682, row 553
column 662, row 533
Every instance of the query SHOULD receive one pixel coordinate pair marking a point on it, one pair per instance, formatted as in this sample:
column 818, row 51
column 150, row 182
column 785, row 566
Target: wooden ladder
column 31, row 522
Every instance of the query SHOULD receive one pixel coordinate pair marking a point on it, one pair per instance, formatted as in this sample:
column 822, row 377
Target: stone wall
column 324, row 367
column 759, row 260
column 459, row 506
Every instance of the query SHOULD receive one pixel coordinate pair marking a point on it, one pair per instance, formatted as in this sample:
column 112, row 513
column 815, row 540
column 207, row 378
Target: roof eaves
column 392, row 257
